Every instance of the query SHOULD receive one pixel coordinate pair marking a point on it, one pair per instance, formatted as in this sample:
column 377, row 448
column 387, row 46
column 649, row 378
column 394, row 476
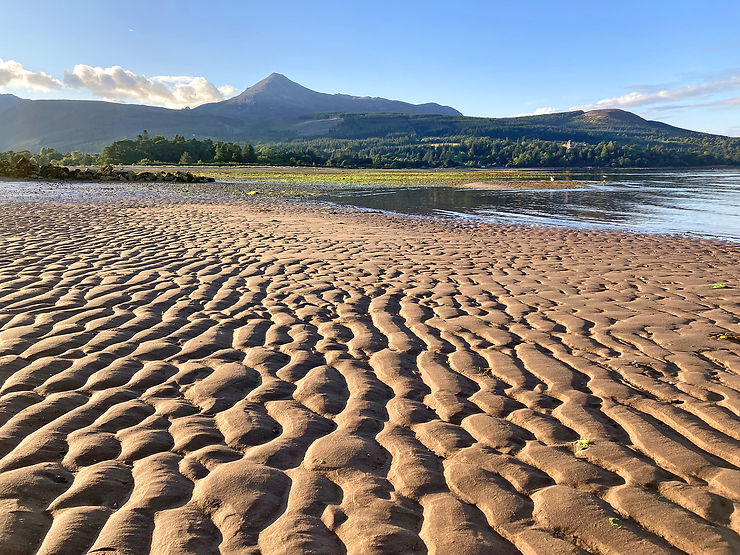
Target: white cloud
column 540, row 111
column 118, row 84
column 666, row 96
column 174, row 91
column 12, row 74
column 228, row 91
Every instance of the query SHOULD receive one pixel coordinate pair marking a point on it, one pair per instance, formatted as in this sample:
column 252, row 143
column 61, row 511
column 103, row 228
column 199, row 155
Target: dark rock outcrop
column 25, row 169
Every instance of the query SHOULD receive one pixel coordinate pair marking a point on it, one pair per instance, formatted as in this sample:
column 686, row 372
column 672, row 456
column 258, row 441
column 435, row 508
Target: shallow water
column 696, row 202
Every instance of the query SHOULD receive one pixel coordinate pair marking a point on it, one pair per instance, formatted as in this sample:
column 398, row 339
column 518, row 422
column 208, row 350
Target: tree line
column 395, row 152
column 401, row 152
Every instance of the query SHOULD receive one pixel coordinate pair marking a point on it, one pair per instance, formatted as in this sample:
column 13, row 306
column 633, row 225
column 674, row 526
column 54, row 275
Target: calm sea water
column 697, row 202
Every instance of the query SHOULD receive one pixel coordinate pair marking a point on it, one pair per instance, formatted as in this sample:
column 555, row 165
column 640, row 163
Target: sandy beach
column 259, row 376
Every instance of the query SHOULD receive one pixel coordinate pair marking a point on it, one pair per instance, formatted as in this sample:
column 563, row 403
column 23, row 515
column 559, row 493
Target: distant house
column 570, row 144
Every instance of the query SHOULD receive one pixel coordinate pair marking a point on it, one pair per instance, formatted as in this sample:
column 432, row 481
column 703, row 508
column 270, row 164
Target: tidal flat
column 207, row 374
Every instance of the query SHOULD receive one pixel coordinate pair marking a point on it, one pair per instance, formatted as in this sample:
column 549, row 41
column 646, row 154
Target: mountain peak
column 273, row 80
column 275, row 83
column 278, row 96
column 614, row 114
column 276, row 77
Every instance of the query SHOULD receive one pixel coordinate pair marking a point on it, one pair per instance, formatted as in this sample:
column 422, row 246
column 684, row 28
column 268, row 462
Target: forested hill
column 579, row 126
column 598, row 137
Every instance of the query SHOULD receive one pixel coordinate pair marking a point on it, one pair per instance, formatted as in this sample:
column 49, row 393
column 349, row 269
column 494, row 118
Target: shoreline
column 284, row 376
column 158, row 191
column 459, row 168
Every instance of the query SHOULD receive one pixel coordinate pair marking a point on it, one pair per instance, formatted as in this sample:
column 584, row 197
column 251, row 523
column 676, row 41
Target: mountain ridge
column 278, row 96
column 8, row 100
column 277, row 109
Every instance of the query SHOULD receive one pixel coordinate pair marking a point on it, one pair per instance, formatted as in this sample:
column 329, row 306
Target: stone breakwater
column 26, row 169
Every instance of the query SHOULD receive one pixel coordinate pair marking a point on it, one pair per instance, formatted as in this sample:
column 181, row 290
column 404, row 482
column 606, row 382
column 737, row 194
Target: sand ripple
column 264, row 377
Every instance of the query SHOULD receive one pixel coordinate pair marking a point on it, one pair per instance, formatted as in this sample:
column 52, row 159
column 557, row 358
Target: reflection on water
column 700, row 202
column 697, row 202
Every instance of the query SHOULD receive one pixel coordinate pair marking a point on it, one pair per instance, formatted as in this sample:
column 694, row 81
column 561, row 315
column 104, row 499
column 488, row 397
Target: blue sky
column 675, row 61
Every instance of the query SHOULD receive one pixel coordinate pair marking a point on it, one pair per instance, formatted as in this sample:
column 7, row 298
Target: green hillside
column 593, row 126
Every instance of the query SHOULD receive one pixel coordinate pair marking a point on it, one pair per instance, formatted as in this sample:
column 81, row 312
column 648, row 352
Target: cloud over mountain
column 116, row 83
column 13, row 74
column 540, row 111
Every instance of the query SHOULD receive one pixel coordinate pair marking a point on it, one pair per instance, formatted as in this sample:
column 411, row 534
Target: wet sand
column 260, row 376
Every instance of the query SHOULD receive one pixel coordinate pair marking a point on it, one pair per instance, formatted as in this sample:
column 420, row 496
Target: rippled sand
column 252, row 377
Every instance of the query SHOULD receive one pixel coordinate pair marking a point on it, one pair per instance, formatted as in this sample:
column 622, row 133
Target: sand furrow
column 247, row 377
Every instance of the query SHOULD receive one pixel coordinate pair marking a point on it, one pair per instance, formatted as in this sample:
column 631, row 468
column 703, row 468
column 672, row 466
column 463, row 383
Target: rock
column 26, row 169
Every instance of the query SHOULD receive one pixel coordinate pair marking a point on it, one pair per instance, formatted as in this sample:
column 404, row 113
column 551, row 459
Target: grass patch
column 726, row 336
column 582, row 444
column 366, row 177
